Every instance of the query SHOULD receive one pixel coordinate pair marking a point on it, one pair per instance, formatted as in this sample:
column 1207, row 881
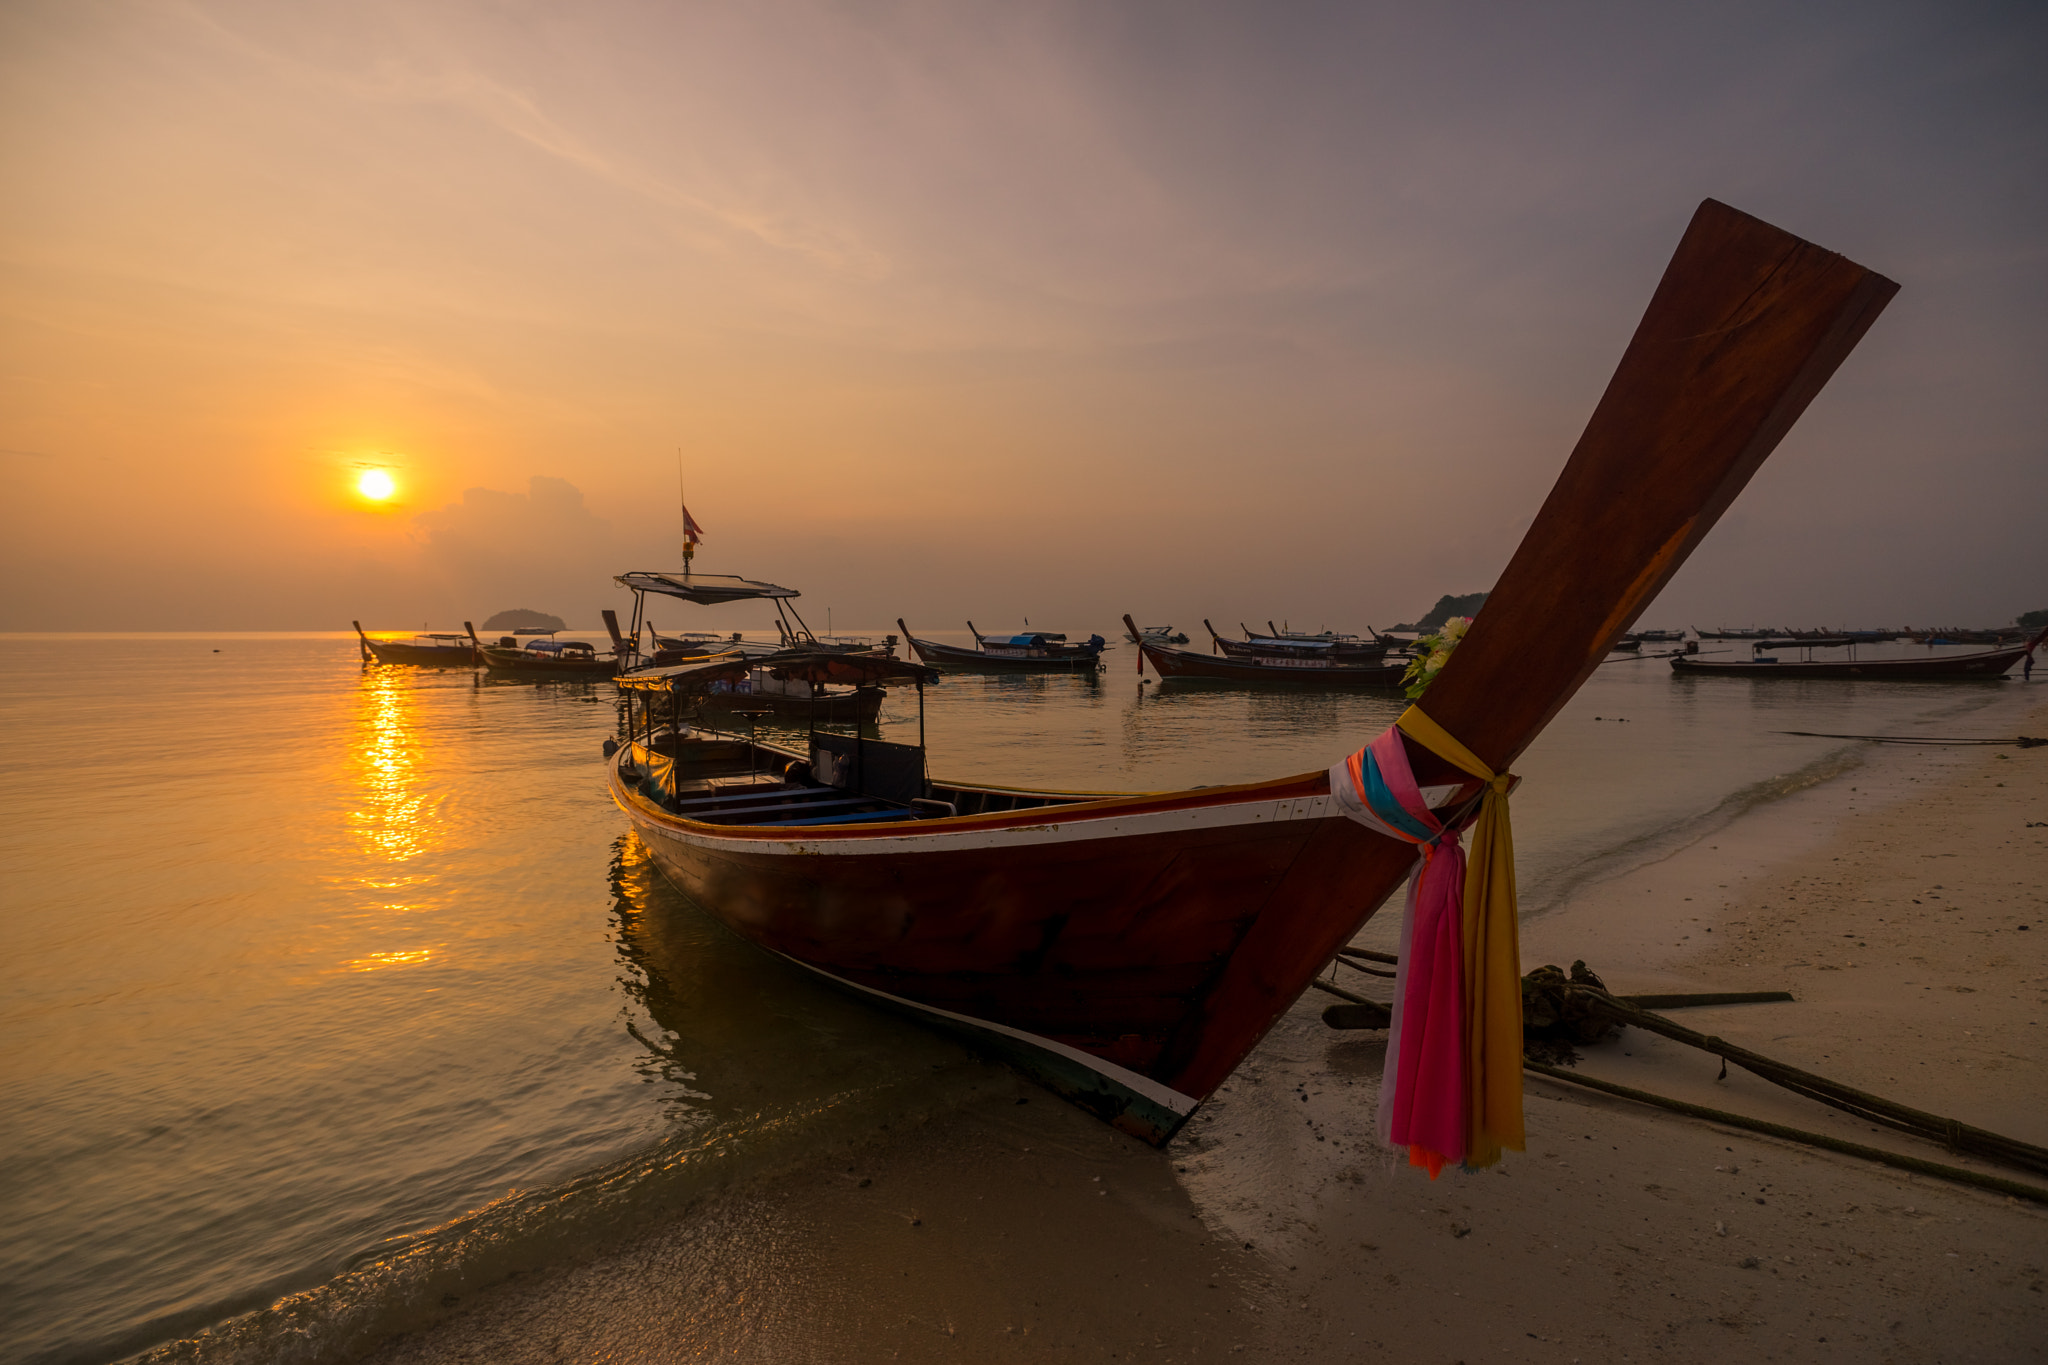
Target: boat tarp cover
column 818, row 669
column 660, row 769
column 705, row 589
column 696, row 677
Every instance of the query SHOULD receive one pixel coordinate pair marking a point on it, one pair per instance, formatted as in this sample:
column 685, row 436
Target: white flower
column 1454, row 629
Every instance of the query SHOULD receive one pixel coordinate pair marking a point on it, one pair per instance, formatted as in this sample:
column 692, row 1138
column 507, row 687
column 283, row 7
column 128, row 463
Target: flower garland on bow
column 1432, row 653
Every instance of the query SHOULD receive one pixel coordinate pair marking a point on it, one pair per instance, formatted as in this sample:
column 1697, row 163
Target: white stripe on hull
column 1055, row 829
column 1152, row 1090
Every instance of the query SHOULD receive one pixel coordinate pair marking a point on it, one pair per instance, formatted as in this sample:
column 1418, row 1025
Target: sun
column 376, row 485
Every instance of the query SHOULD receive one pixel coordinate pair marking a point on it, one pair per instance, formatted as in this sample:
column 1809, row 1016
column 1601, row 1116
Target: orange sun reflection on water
column 392, row 819
column 377, row 961
column 389, row 821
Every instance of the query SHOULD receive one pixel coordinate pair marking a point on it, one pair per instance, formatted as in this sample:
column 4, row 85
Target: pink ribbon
column 1422, row 1104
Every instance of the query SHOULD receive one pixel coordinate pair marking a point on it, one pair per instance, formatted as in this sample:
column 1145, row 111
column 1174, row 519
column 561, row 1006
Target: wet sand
column 1888, row 901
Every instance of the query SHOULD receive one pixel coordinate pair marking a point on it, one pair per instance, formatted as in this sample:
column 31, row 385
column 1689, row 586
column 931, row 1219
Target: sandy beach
column 1905, row 906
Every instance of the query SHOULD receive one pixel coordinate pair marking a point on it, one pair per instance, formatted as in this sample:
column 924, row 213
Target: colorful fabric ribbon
column 1453, row 1088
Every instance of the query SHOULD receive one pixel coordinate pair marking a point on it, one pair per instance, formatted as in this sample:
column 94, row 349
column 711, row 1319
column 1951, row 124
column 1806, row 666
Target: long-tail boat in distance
column 1325, row 646
column 1028, row 651
column 544, row 658
column 1130, row 950
column 754, row 691
column 763, row 685
column 700, row 644
column 712, row 590
column 1985, row 664
column 1290, row 663
column 1283, row 632
column 426, row 649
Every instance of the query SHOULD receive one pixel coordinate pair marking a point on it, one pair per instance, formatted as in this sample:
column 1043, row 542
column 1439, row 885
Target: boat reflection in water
column 740, row 1042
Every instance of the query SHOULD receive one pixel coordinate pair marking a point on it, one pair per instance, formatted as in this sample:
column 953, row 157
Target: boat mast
column 689, row 526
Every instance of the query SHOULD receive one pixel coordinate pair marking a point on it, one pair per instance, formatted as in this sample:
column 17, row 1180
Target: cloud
column 543, row 547
column 430, row 78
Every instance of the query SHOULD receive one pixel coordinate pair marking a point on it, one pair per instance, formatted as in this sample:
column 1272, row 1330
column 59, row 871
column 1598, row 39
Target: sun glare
column 376, row 485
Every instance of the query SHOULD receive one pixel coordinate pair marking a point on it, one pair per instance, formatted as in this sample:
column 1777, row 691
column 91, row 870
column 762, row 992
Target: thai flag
column 692, row 532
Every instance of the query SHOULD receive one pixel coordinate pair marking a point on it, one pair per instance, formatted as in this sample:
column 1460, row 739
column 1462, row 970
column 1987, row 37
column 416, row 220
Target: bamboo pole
column 2015, row 1188
column 1959, row 1136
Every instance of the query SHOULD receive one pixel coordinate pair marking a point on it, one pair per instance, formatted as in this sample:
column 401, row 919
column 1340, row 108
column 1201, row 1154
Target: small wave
column 405, row 1284
column 1647, row 847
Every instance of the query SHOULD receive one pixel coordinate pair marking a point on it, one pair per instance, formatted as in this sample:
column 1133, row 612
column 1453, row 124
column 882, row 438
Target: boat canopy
column 705, row 589
column 797, row 665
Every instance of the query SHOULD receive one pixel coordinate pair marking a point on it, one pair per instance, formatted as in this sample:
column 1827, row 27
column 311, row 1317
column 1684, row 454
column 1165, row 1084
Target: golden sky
column 979, row 309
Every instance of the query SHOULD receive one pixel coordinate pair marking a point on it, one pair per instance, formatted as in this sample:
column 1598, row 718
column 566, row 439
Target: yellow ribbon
column 1493, row 957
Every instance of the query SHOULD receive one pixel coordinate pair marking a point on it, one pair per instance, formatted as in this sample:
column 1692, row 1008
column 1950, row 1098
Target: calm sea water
column 336, row 989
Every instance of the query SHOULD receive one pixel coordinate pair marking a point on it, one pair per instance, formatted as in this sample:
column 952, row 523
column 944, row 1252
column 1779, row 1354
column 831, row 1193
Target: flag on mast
column 692, row 533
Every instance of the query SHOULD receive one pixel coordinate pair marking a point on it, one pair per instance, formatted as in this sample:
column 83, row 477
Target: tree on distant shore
column 1446, row 607
column 2034, row 620
column 525, row 618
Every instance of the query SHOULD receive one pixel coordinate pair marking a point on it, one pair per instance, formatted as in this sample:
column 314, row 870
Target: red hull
column 1160, row 936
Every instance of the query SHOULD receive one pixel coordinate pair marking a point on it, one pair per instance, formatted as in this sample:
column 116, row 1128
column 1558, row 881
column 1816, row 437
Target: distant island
column 2034, row 620
column 525, row 618
column 1446, row 607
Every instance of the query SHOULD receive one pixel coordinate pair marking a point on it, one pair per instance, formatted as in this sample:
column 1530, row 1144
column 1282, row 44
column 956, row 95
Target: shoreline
column 1624, row 1231
column 1277, row 1229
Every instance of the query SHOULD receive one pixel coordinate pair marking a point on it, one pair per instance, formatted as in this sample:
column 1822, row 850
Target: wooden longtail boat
column 1343, row 648
column 545, row 658
column 703, row 644
column 711, row 590
column 1293, row 664
column 759, row 692
column 1986, row 664
column 1035, row 651
column 436, row 649
column 1129, row 950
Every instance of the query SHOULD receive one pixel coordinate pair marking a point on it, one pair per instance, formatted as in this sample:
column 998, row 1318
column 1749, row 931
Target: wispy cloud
column 520, row 116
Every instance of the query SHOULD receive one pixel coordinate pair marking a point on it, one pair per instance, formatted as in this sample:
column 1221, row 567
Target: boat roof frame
column 707, row 590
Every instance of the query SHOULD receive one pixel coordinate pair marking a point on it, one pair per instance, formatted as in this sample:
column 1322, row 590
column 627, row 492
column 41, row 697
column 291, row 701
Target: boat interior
column 724, row 779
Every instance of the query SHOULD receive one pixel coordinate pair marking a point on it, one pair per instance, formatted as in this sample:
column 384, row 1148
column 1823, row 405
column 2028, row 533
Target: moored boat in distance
column 711, row 590
column 1296, row 644
column 1982, row 665
column 698, row 644
column 1291, row 663
column 1030, row 651
column 424, row 649
column 1130, row 950
column 544, row 657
